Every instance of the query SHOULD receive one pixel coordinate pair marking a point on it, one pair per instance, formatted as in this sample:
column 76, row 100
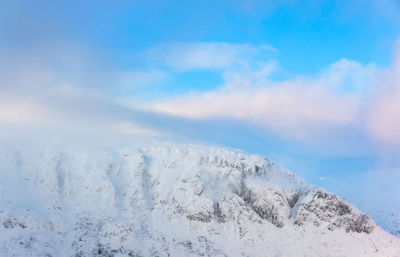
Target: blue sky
column 312, row 84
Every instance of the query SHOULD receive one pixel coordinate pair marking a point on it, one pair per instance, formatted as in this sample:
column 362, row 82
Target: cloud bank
column 343, row 100
column 345, row 95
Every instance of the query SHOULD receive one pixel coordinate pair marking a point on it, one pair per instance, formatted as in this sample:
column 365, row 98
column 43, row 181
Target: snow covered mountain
column 172, row 200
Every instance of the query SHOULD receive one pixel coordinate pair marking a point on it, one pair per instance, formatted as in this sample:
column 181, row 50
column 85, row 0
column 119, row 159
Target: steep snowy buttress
column 173, row 200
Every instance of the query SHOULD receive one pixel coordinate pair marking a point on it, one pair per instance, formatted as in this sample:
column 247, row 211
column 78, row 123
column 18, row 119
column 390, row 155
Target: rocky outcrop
column 320, row 208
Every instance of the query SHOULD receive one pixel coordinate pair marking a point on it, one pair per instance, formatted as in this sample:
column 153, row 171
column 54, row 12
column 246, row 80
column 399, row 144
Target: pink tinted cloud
column 384, row 117
column 364, row 98
column 302, row 107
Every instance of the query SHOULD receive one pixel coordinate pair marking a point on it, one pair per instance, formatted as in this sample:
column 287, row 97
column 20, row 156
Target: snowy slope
column 173, row 200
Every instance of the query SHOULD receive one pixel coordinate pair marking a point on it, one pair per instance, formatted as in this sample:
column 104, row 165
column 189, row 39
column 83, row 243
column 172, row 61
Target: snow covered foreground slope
column 172, row 201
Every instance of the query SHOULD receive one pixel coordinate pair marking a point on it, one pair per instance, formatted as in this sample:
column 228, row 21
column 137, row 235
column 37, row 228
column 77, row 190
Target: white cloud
column 21, row 111
column 212, row 55
column 347, row 94
column 43, row 103
column 301, row 107
column 350, row 76
column 132, row 128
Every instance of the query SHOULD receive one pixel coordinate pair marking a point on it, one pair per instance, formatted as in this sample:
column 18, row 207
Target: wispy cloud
column 21, row 111
column 301, row 107
column 322, row 107
column 210, row 55
column 66, row 95
column 346, row 95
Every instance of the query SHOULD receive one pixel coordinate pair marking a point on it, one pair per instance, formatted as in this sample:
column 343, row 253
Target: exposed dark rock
column 293, row 199
column 200, row 216
column 12, row 223
column 320, row 208
column 270, row 205
column 202, row 247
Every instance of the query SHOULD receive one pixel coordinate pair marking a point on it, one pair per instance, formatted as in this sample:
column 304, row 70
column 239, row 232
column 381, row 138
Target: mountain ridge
column 173, row 200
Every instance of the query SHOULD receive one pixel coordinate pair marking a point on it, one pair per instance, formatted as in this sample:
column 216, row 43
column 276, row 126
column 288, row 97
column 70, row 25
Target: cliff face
column 172, row 201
